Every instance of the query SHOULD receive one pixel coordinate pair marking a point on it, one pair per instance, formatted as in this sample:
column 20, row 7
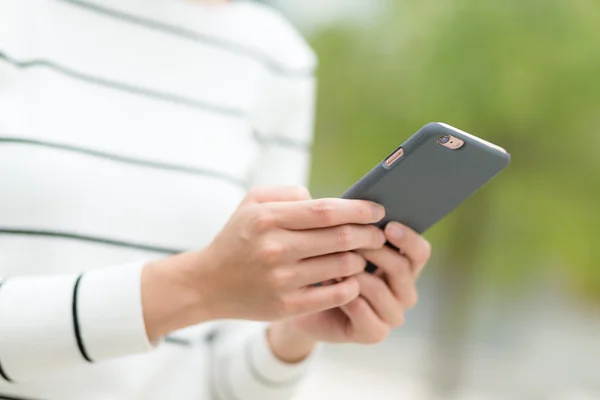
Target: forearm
column 170, row 302
column 288, row 343
column 171, row 298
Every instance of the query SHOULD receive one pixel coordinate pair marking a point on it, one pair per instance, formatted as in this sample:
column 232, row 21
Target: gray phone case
column 429, row 180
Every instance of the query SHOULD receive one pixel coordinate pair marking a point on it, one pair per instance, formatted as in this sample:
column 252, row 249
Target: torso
column 126, row 132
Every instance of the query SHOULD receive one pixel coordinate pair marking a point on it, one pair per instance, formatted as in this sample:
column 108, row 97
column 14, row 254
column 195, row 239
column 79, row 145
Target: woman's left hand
column 384, row 296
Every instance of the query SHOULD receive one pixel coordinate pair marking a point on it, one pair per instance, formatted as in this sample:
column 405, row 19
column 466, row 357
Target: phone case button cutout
column 394, row 157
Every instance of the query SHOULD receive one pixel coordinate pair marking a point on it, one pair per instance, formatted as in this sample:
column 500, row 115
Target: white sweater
column 129, row 130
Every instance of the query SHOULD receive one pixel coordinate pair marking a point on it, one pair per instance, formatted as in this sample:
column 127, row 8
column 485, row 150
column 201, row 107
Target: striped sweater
column 130, row 130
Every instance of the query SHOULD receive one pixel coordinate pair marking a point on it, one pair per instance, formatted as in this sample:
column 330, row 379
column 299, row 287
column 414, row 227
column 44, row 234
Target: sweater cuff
column 250, row 370
column 110, row 313
column 54, row 322
column 37, row 326
column 266, row 367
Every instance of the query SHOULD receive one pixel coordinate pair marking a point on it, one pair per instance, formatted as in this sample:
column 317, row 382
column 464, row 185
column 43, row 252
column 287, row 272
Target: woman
column 129, row 132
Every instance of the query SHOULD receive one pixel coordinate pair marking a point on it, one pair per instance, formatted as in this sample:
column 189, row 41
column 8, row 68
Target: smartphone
column 429, row 175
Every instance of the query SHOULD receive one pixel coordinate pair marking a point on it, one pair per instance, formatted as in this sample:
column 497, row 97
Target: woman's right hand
column 278, row 244
column 264, row 263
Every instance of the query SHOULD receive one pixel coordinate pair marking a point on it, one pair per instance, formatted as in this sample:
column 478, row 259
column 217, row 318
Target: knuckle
column 300, row 192
column 324, row 209
column 344, row 294
column 339, row 296
column 357, row 305
column 345, row 236
column 378, row 335
column 413, row 299
column 278, row 278
column 271, row 252
column 288, row 306
column 264, row 220
column 375, row 286
column 255, row 192
column 281, row 307
column 399, row 321
column 348, row 263
column 426, row 251
column 252, row 192
column 405, row 265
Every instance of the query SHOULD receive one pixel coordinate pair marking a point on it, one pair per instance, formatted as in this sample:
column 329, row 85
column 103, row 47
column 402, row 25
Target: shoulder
column 271, row 34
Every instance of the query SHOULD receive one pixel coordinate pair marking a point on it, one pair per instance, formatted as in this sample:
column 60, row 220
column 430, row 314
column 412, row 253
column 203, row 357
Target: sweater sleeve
column 245, row 368
column 48, row 323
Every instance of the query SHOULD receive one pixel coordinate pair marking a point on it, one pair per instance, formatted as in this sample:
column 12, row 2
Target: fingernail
column 378, row 211
column 395, row 230
column 382, row 237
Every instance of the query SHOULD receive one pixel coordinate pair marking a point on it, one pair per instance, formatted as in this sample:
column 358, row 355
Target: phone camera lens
column 444, row 139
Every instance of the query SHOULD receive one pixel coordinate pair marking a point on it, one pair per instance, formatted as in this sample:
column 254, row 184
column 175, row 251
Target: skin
column 265, row 262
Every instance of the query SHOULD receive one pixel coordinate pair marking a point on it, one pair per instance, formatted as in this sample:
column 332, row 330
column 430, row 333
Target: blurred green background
column 524, row 74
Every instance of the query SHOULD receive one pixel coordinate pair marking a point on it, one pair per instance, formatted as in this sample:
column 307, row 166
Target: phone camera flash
column 450, row 142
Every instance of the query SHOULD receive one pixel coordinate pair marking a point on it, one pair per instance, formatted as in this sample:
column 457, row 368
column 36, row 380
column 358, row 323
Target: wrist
column 288, row 343
column 171, row 296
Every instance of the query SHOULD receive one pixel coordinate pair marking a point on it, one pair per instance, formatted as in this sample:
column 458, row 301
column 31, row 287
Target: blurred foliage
column 521, row 73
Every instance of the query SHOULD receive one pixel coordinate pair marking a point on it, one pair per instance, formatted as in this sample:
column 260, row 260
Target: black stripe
column 211, row 336
column 5, row 397
column 90, row 239
column 140, row 91
column 236, row 48
column 4, row 376
column 207, row 337
column 177, row 341
column 271, row 139
column 80, row 345
column 280, row 141
column 127, row 160
column 256, row 374
column 2, row 372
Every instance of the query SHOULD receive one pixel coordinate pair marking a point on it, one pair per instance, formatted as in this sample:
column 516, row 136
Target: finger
column 365, row 325
column 324, row 213
column 413, row 245
column 318, row 242
column 381, row 299
column 327, row 268
column 395, row 269
column 320, row 298
column 267, row 194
